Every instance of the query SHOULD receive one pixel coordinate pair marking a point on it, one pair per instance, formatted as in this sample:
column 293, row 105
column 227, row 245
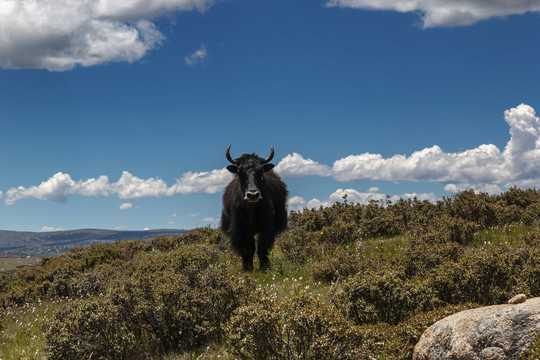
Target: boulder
column 486, row 333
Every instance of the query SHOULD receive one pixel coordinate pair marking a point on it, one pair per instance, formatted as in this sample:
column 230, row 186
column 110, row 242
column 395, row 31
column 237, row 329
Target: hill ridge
column 50, row 243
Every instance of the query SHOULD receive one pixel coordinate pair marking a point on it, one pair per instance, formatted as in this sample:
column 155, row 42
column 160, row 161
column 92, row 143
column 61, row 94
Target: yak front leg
column 247, row 254
column 244, row 245
column 264, row 244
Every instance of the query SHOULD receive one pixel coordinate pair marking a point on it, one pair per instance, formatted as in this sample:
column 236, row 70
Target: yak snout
column 252, row 195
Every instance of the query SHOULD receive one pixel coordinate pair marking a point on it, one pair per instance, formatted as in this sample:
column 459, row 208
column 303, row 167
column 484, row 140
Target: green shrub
column 61, row 276
column 478, row 208
column 196, row 256
column 255, row 330
column 385, row 296
column 91, row 328
column 153, row 313
column 384, row 341
column 424, row 277
column 334, row 268
column 486, row 276
column 455, row 218
column 420, row 258
column 302, row 327
column 299, row 246
column 445, row 228
column 204, row 235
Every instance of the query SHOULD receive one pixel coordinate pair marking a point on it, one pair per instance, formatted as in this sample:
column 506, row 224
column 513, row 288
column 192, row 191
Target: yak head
column 250, row 170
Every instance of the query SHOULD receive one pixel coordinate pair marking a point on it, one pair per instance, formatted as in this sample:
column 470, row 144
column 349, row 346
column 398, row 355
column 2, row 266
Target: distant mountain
column 39, row 244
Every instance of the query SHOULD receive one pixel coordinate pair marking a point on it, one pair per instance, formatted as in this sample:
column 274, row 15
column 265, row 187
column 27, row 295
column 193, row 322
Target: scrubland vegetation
column 350, row 281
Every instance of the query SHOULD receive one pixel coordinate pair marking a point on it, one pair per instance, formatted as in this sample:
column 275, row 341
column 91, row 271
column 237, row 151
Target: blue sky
column 117, row 113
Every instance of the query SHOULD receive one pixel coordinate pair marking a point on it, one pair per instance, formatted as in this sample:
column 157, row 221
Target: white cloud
column 211, row 220
column 126, row 206
column 57, row 188
column 296, row 203
column 60, row 186
column 486, row 164
column 197, row 57
column 132, row 187
column 51, row 228
column 446, row 13
column 294, row 165
column 203, row 182
column 194, row 214
column 60, row 34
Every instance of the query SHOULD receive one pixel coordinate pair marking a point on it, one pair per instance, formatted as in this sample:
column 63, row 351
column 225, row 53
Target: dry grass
column 10, row 263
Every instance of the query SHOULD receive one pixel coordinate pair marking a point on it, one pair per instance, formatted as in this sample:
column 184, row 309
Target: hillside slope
column 39, row 244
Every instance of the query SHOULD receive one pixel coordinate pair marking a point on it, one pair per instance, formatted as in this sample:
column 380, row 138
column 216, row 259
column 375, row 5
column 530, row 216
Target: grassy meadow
column 12, row 263
column 350, row 281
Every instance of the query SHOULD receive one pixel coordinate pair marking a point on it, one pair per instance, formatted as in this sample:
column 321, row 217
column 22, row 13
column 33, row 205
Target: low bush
column 151, row 314
column 425, row 277
column 384, row 341
column 204, row 235
column 61, row 276
column 385, row 296
column 197, row 256
column 301, row 327
column 299, row 246
column 444, row 229
column 334, row 268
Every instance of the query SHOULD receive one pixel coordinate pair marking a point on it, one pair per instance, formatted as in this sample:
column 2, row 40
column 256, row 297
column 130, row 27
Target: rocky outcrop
column 496, row 332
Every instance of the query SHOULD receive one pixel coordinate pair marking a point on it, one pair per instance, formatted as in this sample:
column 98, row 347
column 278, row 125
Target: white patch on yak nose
column 252, row 196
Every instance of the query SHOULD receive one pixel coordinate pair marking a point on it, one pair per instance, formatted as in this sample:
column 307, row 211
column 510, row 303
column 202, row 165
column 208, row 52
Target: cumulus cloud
column 295, row 165
column 132, row 187
column 435, row 13
column 202, row 182
column 58, row 35
column 197, row 57
column 57, row 188
column 485, row 165
column 125, row 206
column 60, row 186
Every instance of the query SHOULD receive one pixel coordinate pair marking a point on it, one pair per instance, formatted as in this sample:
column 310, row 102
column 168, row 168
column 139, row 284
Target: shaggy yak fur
column 254, row 208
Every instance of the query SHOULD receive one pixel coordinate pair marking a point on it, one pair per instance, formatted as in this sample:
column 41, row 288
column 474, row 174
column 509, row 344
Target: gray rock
column 487, row 333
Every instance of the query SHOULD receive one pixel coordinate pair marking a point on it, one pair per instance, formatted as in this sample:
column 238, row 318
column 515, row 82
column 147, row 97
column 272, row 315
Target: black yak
column 254, row 207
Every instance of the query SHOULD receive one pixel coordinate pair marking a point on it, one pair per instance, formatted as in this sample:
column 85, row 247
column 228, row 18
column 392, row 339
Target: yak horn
column 229, row 156
column 269, row 157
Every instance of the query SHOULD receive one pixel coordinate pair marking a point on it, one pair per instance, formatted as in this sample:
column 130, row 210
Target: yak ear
column 268, row 167
column 232, row 168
